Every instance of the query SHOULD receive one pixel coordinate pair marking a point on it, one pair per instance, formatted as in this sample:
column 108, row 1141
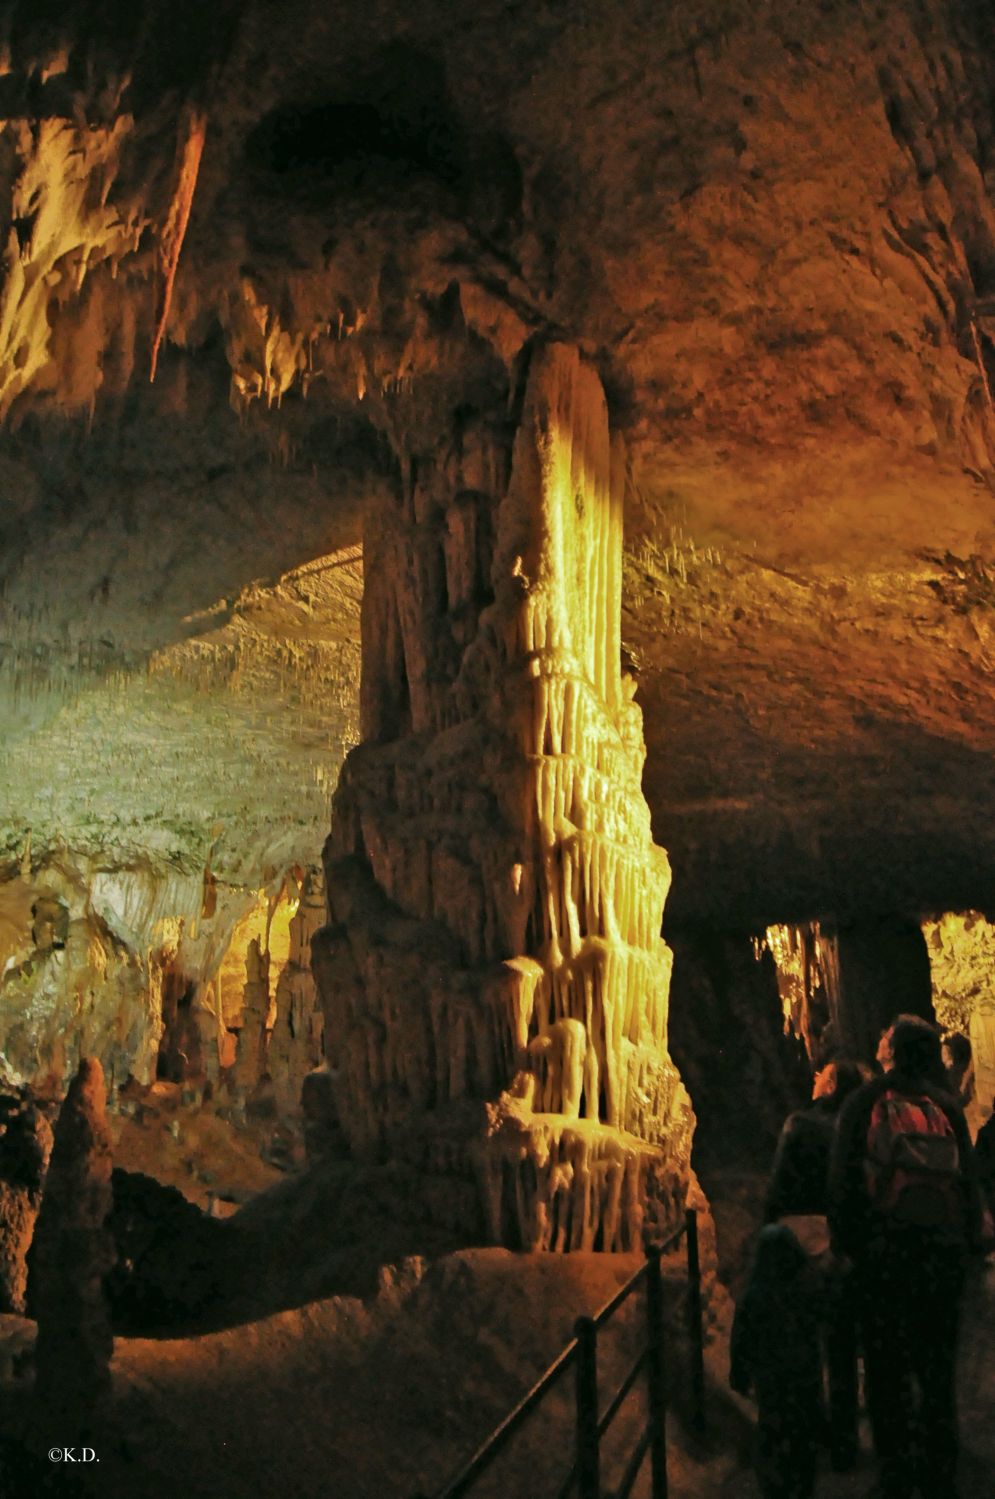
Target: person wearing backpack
column 904, row 1206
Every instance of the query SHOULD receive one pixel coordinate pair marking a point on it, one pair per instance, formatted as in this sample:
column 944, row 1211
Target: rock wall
column 494, row 981
column 745, row 1065
column 158, row 974
column 71, row 985
column 843, row 982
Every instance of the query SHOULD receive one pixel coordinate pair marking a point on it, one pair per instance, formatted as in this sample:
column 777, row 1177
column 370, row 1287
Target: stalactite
column 175, row 228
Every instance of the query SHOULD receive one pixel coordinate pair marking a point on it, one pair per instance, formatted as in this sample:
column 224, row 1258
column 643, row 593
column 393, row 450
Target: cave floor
column 976, row 1388
column 379, row 1399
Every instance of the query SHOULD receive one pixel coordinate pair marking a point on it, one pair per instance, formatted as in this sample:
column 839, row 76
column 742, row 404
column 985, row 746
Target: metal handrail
column 581, row 1351
column 499, row 1437
column 634, row 1464
column 623, row 1294
column 615, row 1404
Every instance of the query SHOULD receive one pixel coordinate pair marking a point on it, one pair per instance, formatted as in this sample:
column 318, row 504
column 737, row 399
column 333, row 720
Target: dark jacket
column 799, row 1180
column 853, row 1222
column 775, row 1335
column 984, row 1154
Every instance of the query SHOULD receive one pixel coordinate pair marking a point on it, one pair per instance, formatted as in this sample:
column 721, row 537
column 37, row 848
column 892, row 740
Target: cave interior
column 497, row 635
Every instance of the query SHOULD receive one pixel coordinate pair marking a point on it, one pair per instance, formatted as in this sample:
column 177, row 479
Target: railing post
column 588, row 1441
column 695, row 1332
column 656, row 1391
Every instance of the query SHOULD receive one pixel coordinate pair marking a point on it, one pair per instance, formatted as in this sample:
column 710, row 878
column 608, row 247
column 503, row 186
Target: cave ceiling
column 335, row 231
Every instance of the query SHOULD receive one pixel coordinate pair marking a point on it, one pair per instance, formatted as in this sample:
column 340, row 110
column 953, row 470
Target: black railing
column 591, row 1422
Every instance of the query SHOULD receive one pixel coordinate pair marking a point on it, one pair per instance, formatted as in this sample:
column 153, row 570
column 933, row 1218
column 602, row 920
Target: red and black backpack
column 913, row 1165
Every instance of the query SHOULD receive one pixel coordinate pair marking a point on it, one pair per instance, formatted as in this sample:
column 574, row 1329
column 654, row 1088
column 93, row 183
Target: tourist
column 798, row 1198
column 905, row 1207
column 958, row 1062
column 775, row 1354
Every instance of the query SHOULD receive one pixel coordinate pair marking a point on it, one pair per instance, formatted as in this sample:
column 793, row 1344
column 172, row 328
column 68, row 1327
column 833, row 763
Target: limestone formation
column 336, row 236
column 842, row 982
column 254, row 1035
column 806, row 961
column 72, row 1254
column 297, row 1043
column 772, row 226
column 961, row 947
column 494, row 979
column 25, row 1147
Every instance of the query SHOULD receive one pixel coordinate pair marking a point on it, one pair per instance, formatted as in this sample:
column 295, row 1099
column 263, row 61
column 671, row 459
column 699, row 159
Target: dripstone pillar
column 72, row 1252
column 494, row 981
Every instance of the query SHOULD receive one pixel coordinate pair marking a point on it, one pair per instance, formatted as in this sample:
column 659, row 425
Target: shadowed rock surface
column 71, row 1254
column 25, row 1147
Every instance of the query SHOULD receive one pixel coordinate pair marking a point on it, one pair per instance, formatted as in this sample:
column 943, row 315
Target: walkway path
column 977, row 1408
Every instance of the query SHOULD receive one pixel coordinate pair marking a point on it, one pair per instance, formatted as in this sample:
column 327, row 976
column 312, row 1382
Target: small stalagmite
column 494, row 981
column 72, row 1252
column 254, row 1035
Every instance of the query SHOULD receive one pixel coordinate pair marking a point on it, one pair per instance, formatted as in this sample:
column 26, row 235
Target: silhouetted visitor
column 775, row 1354
column 984, row 1155
column 798, row 1196
column 905, row 1206
column 958, row 1062
column 799, row 1181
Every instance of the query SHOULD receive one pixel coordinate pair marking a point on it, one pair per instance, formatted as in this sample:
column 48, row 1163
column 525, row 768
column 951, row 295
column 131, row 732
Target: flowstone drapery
column 494, row 980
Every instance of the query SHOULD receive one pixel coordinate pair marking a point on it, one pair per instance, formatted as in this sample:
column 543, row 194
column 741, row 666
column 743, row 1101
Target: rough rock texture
column 842, row 983
column 25, row 1147
column 72, row 1253
column 743, row 1066
column 771, row 229
column 150, row 974
column 89, row 992
column 494, row 981
column 772, row 226
column 169, row 1257
column 961, row 951
column 297, row 1042
column 247, row 1411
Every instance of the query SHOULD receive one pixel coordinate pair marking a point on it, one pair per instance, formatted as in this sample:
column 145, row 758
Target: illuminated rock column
column 494, row 980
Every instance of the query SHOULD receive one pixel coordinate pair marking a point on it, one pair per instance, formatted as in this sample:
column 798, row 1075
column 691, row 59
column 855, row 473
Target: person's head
column 956, row 1051
column 838, row 1079
column 915, row 1048
column 778, row 1256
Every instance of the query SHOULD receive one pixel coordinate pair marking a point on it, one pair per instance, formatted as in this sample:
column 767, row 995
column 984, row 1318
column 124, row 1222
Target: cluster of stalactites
column 587, row 1193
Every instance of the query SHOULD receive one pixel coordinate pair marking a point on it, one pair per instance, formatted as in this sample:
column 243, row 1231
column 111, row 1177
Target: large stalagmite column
column 494, row 980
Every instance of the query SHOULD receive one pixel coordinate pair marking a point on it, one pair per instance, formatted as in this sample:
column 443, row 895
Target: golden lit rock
column 494, row 980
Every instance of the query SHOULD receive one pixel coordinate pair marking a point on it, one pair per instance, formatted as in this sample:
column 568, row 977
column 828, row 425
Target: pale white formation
column 807, row 963
column 142, row 969
column 494, row 979
column 961, row 947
